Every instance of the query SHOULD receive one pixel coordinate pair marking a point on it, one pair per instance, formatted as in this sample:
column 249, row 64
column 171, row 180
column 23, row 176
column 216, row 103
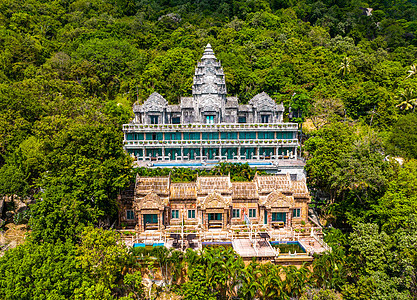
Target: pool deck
column 245, row 244
column 264, row 164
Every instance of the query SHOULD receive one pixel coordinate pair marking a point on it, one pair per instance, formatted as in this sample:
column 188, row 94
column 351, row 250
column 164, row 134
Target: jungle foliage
column 71, row 70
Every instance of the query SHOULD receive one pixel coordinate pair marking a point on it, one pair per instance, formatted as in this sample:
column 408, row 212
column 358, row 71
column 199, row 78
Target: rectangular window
column 154, row 136
column 154, row 119
column 191, row 136
column 130, row 215
column 210, row 136
column 176, row 120
column 266, row 135
column 175, row 214
column 242, row 119
column 264, row 118
column 228, row 135
column 191, row 214
column 247, row 135
column 170, row 136
column 279, row 217
column 285, row 135
column 236, row 213
column 252, row 212
column 296, row 212
column 209, row 119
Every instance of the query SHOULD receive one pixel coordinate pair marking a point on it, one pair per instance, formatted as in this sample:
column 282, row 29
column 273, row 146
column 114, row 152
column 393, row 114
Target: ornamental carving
column 214, row 200
column 262, row 102
column 150, row 201
column 210, row 103
column 155, row 102
column 276, row 199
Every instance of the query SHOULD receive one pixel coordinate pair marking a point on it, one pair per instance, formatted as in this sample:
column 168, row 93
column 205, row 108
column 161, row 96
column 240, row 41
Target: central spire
column 209, row 76
column 209, row 87
column 208, row 53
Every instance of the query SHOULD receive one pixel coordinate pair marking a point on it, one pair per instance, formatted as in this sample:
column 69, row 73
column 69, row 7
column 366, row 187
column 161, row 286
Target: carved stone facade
column 209, row 103
column 210, row 125
column 215, row 202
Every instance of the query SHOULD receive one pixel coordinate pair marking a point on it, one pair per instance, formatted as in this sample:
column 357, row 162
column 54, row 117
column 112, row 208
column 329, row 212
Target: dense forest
column 71, row 70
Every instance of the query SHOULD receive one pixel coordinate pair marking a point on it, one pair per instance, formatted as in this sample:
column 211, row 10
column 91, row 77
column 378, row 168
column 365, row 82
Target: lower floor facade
column 215, row 202
column 212, row 152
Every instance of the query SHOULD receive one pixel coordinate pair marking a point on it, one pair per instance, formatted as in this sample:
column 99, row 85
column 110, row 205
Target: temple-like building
column 211, row 126
column 155, row 203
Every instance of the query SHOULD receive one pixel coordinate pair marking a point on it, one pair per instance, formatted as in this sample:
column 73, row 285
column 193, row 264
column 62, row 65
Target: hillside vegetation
column 71, row 70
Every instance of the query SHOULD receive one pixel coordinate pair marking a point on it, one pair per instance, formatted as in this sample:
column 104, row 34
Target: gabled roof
column 155, row 102
column 183, row 191
column 300, row 190
column 262, row 102
column 174, row 108
column 186, row 102
column 277, row 199
column 244, row 107
column 213, row 200
column 150, row 201
column 268, row 183
column 244, row 190
column 145, row 185
column 209, row 184
column 231, row 102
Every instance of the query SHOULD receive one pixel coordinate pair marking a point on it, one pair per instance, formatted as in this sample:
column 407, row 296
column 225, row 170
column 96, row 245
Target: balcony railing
column 208, row 127
column 253, row 143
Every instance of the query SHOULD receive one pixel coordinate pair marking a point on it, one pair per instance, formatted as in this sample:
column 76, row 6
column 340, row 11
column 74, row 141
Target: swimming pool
column 148, row 245
column 185, row 164
column 177, row 164
column 292, row 247
column 216, row 244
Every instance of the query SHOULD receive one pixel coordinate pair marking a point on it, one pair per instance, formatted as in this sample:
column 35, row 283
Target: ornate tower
column 209, row 89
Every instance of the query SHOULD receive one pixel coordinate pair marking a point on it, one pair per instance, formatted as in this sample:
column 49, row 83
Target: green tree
column 408, row 100
column 399, row 202
column 403, row 139
column 36, row 271
column 325, row 149
column 344, row 67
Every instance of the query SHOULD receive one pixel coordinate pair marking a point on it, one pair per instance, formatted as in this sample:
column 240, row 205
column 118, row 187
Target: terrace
column 278, row 245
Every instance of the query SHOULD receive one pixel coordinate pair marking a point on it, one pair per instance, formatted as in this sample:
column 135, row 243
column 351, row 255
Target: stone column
column 140, row 222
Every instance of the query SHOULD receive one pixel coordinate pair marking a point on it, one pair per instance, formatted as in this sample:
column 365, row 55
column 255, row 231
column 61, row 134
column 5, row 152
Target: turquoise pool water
column 285, row 247
column 148, row 245
column 217, row 244
column 185, row 164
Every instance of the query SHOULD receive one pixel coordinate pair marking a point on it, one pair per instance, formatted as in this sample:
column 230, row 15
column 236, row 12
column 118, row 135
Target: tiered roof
column 183, row 191
column 158, row 185
column 270, row 190
column 209, row 184
column 244, row 190
column 268, row 183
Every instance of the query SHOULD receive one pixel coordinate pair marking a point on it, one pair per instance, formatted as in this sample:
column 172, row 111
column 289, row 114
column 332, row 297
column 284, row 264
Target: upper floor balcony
column 132, row 144
column 209, row 127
